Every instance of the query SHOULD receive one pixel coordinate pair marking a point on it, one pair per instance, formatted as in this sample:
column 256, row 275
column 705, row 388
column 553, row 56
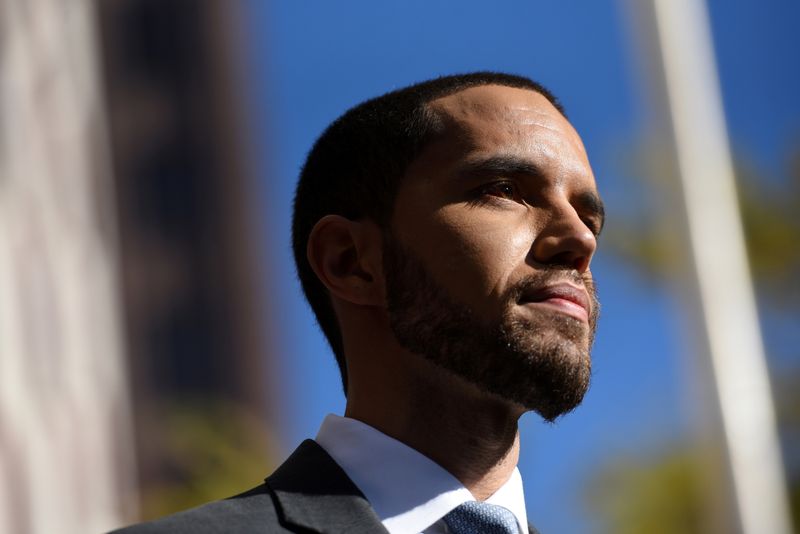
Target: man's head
column 487, row 211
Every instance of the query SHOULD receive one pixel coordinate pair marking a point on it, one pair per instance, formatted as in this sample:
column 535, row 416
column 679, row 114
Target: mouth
column 561, row 298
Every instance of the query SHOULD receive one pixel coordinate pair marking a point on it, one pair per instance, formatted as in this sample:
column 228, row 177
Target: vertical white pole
column 717, row 246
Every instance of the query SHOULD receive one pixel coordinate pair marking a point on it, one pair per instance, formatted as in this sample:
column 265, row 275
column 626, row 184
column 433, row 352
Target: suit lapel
column 311, row 491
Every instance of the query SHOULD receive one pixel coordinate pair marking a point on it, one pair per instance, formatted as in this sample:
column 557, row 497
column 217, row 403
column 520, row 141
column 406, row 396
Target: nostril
column 566, row 258
column 569, row 260
column 581, row 264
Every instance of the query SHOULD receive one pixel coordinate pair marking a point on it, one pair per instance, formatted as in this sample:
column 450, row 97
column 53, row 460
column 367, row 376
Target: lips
column 563, row 297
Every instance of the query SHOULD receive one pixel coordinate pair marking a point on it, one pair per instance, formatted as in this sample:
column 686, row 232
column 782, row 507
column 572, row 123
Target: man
column 443, row 235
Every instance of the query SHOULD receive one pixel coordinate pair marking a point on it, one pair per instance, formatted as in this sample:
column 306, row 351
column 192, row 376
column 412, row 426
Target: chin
column 532, row 356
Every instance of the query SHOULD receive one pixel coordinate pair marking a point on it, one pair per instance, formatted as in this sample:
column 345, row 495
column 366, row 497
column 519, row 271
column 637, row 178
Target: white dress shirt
column 409, row 491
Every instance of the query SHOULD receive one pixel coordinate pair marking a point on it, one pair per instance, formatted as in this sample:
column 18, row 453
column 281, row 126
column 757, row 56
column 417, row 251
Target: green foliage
column 787, row 399
column 649, row 236
column 215, row 449
column 649, row 495
column 771, row 220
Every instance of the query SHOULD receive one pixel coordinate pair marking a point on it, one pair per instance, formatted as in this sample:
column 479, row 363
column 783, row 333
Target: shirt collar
column 407, row 490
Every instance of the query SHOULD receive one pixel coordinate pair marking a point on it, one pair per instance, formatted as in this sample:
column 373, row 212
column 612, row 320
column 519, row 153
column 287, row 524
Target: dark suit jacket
column 308, row 493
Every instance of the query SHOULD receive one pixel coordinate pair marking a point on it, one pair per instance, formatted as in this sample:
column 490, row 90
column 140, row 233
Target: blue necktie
column 474, row 517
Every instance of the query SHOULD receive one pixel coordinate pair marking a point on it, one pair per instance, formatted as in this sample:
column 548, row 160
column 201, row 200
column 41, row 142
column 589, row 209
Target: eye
column 504, row 189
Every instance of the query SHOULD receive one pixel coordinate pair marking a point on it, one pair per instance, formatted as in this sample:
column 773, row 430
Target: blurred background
column 155, row 348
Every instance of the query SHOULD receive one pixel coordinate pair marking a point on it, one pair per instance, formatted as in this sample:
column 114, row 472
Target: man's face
column 487, row 258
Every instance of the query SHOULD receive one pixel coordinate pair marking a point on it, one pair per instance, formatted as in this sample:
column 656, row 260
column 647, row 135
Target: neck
column 472, row 435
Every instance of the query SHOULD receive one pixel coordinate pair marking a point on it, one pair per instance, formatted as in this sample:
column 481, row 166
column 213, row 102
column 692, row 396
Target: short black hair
column 356, row 165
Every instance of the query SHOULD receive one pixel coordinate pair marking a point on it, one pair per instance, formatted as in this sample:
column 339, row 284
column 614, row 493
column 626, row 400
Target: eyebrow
column 588, row 201
column 500, row 165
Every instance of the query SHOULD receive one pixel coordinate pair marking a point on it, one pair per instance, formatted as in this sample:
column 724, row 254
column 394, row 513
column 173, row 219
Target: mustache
column 551, row 275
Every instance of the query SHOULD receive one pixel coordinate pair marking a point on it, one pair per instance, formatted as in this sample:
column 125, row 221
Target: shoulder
column 238, row 514
column 309, row 492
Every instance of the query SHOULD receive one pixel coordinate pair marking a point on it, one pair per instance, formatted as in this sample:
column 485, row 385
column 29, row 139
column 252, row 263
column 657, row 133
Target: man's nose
column 565, row 240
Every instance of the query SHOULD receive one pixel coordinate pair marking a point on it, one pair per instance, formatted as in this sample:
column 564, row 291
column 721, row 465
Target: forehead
column 492, row 120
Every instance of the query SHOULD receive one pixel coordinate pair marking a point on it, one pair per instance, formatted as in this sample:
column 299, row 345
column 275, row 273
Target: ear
column 347, row 258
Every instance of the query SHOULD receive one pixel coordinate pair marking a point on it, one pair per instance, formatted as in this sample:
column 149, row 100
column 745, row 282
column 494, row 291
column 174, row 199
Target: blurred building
column 65, row 454
column 185, row 202
column 131, row 336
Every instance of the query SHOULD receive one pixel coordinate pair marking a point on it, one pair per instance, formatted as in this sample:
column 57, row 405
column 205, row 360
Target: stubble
column 538, row 359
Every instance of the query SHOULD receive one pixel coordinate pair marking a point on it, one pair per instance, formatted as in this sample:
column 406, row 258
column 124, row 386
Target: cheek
column 477, row 252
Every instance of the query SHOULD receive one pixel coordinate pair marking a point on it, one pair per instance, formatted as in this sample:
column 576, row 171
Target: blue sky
column 312, row 60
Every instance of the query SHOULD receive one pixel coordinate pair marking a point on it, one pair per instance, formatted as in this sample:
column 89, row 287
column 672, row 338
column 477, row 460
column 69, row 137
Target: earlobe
column 346, row 258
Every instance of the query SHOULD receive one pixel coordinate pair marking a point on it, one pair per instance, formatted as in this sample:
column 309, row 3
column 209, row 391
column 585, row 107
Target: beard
column 539, row 361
